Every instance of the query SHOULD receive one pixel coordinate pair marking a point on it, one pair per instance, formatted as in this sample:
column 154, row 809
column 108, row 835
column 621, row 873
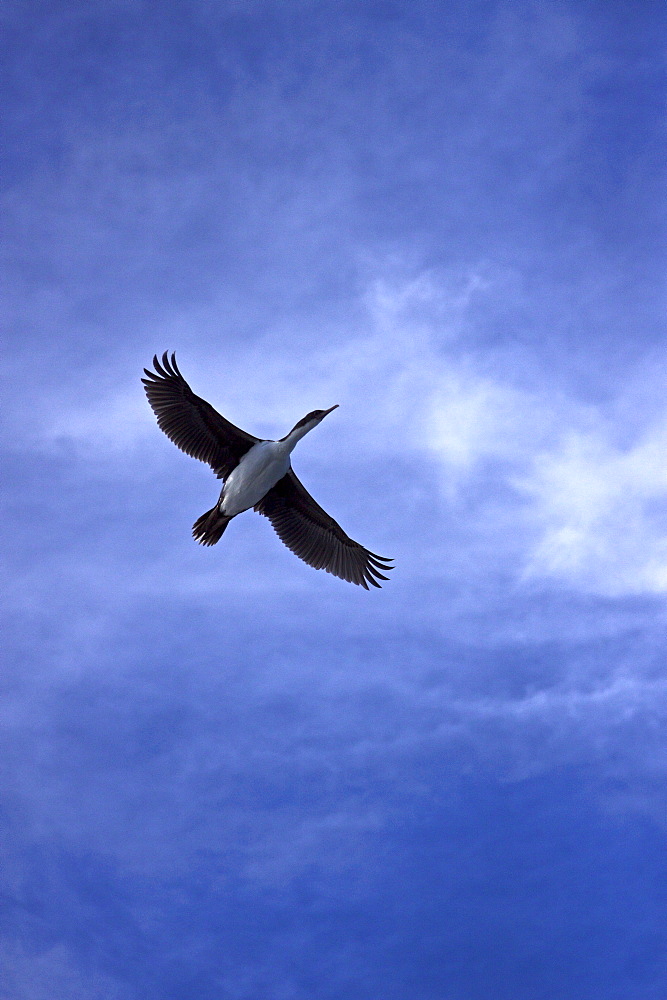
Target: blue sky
column 223, row 774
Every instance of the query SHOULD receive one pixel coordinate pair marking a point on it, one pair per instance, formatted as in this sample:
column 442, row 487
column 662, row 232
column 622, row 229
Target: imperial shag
column 256, row 474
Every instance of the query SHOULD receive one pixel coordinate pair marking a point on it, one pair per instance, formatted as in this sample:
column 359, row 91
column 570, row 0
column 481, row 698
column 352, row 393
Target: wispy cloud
column 601, row 513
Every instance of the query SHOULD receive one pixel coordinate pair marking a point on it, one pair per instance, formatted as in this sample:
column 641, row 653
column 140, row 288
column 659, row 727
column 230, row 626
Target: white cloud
column 115, row 423
column 474, row 418
column 600, row 512
column 583, row 506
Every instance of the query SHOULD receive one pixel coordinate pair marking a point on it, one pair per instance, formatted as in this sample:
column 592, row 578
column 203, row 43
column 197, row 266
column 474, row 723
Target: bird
column 256, row 474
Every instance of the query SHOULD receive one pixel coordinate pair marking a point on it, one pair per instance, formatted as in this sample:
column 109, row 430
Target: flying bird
column 256, row 474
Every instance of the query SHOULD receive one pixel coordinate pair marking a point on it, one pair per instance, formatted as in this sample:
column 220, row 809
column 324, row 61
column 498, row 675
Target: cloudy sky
column 224, row 775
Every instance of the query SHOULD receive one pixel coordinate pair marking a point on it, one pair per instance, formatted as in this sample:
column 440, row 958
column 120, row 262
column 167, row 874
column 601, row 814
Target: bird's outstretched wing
column 192, row 423
column 315, row 537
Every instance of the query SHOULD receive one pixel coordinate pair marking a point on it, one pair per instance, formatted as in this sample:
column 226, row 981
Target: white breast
column 259, row 470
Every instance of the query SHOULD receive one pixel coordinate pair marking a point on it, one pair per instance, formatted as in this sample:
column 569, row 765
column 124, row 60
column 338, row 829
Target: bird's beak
column 334, row 407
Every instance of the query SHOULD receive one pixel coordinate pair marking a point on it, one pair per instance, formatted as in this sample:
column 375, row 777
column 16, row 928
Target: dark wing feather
column 192, row 423
column 315, row 537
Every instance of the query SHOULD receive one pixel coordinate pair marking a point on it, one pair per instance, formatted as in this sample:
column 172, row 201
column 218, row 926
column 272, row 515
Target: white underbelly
column 259, row 470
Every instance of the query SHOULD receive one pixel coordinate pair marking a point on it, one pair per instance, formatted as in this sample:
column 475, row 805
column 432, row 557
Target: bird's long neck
column 298, row 431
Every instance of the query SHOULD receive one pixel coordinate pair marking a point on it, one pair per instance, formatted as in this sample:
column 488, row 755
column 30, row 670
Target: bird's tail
column 208, row 528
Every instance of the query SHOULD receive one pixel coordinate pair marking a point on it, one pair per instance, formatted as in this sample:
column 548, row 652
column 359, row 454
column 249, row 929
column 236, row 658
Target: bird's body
column 259, row 470
column 257, row 474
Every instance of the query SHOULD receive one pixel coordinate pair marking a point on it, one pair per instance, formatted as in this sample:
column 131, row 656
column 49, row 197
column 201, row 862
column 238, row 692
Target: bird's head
column 307, row 423
column 315, row 416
